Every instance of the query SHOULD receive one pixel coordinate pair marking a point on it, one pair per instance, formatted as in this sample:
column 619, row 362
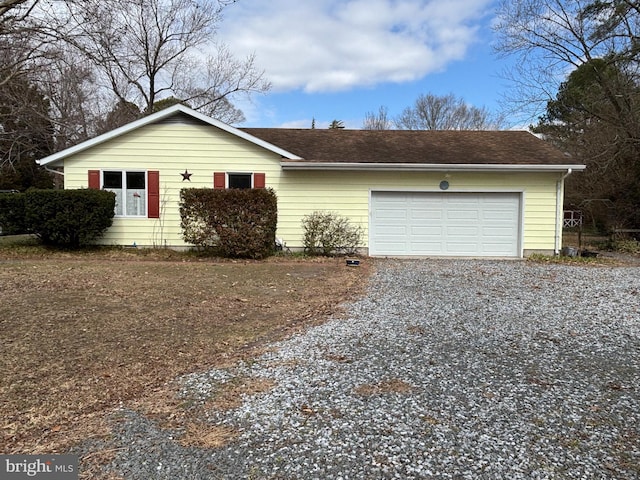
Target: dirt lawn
column 83, row 334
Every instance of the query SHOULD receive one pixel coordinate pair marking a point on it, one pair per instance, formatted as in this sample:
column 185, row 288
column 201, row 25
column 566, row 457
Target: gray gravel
column 445, row 369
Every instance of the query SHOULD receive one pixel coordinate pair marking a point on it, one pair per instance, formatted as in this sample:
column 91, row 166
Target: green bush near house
column 68, row 218
column 12, row 214
column 239, row 223
column 328, row 233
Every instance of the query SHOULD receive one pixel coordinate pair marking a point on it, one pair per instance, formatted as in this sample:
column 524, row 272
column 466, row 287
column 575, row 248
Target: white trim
column 156, row 117
column 427, row 167
column 559, row 211
column 450, row 190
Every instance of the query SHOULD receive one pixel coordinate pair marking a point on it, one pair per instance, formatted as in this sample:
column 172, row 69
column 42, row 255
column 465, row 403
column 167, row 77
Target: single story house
column 415, row 193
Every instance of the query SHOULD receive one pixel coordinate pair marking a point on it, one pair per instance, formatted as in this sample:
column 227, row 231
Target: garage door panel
column 426, row 231
column 423, row 214
column 455, row 233
column 392, row 233
column 497, row 217
column 462, row 249
column 392, row 214
column 463, row 216
column 435, row 244
column 450, row 223
column 505, row 232
column 393, row 248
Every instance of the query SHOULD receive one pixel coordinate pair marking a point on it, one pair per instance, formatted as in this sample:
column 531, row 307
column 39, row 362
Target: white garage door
column 445, row 223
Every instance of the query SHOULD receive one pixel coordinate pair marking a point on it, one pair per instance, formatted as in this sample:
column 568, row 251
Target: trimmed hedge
column 240, row 223
column 12, row 214
column 69, row 218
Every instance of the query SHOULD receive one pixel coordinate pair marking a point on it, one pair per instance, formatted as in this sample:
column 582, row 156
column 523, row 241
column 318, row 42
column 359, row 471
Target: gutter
column 422, row 167
column 559, row 216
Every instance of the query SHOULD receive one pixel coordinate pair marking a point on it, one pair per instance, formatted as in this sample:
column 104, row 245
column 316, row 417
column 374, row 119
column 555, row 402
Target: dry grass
column 83, row 334
column 230, row 394
column 203, row 435
column 393, row 385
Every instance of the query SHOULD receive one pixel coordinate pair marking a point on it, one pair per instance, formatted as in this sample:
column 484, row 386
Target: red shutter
column 219, row 180
column 153, row 194
column 258, row 180
column 94, row 179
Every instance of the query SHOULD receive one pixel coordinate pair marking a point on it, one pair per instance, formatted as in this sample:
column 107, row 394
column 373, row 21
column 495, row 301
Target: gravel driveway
column 446, row 369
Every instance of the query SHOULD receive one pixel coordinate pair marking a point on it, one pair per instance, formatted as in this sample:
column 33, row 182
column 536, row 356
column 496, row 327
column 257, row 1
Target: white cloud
column 334, row 45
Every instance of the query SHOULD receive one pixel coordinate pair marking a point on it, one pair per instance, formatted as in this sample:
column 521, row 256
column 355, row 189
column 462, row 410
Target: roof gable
column 176, row 113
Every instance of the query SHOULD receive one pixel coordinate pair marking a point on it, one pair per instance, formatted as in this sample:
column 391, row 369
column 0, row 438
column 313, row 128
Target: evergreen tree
column 600, row 129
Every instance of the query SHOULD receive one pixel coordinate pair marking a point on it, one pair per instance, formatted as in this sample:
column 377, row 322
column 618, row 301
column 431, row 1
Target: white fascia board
column 427, row 167
column 153, row 118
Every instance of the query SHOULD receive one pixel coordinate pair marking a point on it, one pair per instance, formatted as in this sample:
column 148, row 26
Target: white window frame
column 126, row 198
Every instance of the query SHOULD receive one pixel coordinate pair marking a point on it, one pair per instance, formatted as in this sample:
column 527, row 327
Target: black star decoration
column 186, row 175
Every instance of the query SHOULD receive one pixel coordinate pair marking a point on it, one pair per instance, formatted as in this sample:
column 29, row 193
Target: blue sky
column 338, row 59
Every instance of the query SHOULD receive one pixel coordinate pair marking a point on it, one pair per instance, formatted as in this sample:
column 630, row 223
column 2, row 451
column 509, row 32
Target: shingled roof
column 412, row 147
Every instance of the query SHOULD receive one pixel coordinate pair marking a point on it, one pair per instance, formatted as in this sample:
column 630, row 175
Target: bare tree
column 150, row 49
column 585, row 61
column 224, row 77
column 25, row 42
column 433, row 112
column 15, row 8
column 550, row 38
column 75, row 104
column 377, row 121
column 25, row 134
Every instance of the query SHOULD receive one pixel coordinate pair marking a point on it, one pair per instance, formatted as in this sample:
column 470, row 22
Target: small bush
column 69, row 218
column 239, row 223
column 328, row 233
column 626, row 246
column 12, row 214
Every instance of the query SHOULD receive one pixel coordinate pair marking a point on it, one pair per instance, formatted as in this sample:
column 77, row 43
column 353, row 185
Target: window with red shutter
column 238, row 180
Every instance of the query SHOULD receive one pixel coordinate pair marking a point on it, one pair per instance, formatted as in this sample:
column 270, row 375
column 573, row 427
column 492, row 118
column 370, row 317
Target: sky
column 339, row 59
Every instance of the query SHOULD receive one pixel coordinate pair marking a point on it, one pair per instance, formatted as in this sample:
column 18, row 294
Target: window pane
column 131, row 198
column 239, row 180
column 112, row 179
column 135, row 180
column 136, row 202
column 119, row 199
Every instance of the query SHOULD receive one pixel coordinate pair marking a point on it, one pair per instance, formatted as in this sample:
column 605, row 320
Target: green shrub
column 69, row 218
column 12, row 214
column 240, row 223
column 328, row 233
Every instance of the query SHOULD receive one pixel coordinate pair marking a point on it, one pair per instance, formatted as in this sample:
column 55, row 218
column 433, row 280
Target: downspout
column 559, row 215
